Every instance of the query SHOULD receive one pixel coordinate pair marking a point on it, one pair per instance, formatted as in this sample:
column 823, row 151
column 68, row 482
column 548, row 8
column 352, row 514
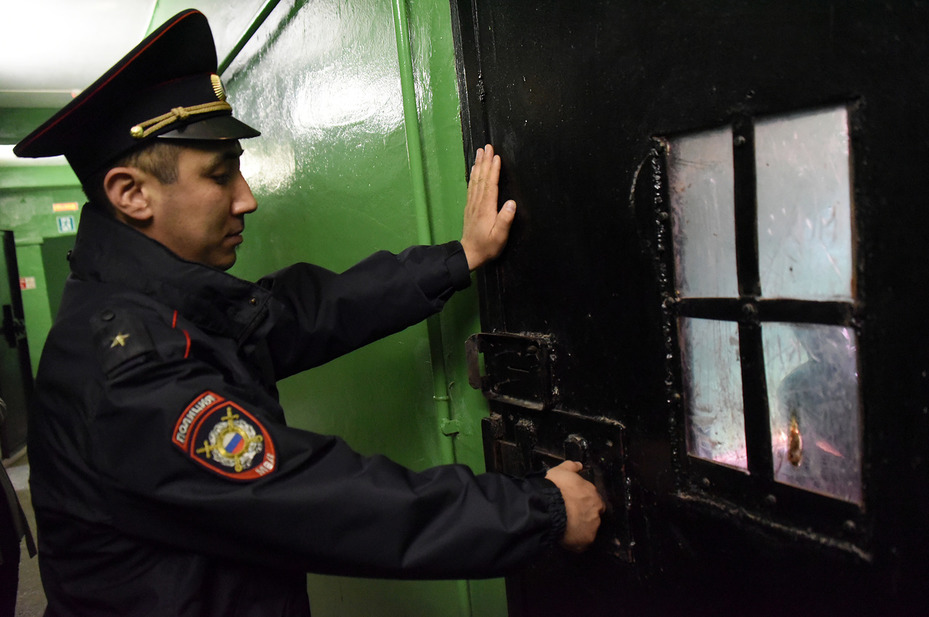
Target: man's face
column 201, row 216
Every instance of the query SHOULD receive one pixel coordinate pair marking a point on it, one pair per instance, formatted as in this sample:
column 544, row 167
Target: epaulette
column 121, row 339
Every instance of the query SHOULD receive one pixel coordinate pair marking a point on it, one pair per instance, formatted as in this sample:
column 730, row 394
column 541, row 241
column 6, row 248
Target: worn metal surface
column 574, row 101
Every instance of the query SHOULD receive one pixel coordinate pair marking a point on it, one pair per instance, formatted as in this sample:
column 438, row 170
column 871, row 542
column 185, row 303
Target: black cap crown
column 165, row 88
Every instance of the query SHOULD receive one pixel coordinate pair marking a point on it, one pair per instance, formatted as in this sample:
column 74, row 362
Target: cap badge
column 218, row 87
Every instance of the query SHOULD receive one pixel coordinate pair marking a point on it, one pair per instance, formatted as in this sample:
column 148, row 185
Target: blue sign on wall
column 66, row 224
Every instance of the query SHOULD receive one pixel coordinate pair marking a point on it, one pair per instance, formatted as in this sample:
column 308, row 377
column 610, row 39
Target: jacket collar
column 109, row 251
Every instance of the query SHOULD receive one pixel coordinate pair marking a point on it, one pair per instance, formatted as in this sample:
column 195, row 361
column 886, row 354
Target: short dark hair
column 158, row 158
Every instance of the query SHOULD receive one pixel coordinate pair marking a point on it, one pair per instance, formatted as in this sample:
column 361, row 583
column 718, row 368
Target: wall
column 28, row 195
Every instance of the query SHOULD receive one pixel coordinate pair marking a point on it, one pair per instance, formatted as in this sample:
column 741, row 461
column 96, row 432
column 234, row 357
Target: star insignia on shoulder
column 119, row 340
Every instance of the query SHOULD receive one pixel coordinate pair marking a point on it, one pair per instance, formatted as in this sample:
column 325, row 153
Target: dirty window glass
column 700, row 176
column 713, row 391
column 804, row 209
column 812, row 377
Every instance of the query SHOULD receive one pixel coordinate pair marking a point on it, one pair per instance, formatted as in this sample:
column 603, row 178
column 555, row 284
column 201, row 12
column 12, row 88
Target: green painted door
column 15, row 372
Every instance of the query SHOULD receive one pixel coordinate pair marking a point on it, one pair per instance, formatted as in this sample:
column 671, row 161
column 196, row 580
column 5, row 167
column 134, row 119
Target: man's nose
column 243, row 202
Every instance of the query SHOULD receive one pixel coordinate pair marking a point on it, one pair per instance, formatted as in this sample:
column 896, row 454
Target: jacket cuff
column 457, row 263
column 554, row 504
column 439, row 270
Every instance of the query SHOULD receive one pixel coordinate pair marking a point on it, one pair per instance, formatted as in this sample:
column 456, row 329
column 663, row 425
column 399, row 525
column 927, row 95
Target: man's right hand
column 583, row 505
column 486, row 229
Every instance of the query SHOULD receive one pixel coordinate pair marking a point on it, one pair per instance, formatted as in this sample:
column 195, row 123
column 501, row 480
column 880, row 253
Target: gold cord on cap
column 144, row 129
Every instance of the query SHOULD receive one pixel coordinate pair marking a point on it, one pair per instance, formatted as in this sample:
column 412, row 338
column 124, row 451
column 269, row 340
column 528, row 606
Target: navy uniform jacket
column 164, row 477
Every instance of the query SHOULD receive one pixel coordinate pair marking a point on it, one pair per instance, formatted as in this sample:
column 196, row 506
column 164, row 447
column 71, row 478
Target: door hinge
column 450, row 428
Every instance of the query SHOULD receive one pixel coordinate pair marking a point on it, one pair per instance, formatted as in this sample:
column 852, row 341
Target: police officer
column 164, row 478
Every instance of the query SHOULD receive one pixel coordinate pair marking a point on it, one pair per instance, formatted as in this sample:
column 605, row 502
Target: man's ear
column 125, row 188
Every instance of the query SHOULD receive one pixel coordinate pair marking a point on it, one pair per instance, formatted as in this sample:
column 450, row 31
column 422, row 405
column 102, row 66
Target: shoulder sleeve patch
column 225, row 438
column 121, row 339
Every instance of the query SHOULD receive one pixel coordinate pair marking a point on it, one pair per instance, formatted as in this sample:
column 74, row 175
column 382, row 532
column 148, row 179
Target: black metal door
column 15, row 368
column 617, row 310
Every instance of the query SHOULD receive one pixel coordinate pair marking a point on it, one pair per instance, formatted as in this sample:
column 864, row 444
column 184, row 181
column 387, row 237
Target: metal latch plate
column 517, row 368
